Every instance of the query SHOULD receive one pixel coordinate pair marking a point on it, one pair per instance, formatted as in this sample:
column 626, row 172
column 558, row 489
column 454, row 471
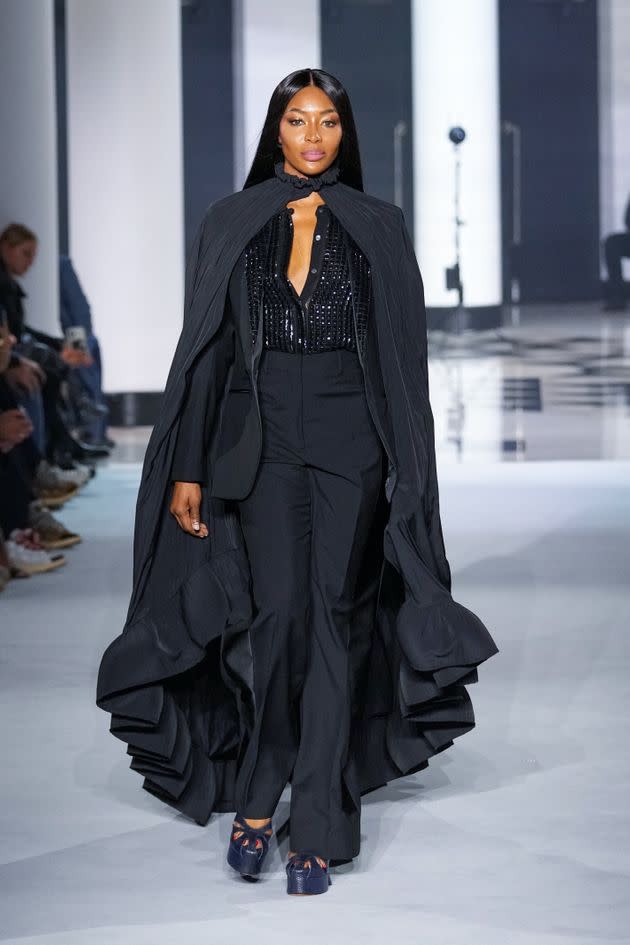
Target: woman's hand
column 75, row 357
column 7, row 340
column 26, row 374
column 15, row 427
column 185, row 505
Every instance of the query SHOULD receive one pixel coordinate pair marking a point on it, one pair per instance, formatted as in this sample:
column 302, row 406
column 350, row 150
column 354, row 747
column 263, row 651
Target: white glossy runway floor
column 517, row 835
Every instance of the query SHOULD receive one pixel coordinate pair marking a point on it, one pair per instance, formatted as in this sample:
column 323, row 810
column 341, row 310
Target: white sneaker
column 78, row 475
column 49, row 477
column 31, row 560
column 52, row 533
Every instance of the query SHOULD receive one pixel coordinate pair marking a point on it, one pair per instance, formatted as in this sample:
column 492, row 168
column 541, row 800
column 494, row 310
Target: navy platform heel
column 306, row 880
column 248, row 848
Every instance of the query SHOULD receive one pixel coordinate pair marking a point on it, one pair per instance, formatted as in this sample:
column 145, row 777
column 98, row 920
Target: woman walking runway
column 291, row 619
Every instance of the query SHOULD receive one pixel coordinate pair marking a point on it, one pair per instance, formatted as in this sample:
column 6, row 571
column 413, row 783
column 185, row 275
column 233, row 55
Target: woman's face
column 19, row 258
column 310, row 132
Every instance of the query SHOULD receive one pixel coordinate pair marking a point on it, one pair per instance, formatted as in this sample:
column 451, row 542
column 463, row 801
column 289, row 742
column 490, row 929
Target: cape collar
column 312, row 182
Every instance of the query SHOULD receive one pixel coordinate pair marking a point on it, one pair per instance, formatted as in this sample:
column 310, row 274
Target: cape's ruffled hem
column 182, row 704
column 433, row 653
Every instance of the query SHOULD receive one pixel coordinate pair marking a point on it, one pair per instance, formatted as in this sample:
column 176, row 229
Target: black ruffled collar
column 313, row 181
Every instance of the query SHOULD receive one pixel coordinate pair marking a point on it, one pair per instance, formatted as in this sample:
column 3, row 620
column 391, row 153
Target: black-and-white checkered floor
column 552, row 383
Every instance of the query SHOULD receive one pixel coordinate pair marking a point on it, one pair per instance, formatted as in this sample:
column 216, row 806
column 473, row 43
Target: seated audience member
column 75, row 313
column 616, row 247
column 29, row 535
column 40, row 361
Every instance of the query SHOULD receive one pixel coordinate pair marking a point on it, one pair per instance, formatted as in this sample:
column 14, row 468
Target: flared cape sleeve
column 415, row 368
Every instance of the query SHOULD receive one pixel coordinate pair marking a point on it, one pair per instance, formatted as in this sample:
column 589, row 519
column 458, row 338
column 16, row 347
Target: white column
column 270, row 40
column 456, row 82
column 614, row 113
column 28, row 151
column 125, row 181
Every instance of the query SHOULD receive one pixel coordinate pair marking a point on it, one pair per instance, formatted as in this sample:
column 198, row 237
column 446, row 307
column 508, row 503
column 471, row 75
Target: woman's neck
column 293, row 171
column 328, row 176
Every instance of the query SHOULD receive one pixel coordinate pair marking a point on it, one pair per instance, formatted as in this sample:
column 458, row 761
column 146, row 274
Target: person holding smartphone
column 40, row 362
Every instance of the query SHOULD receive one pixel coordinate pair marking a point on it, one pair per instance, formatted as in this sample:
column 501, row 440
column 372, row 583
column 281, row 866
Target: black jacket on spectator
column 11, row 296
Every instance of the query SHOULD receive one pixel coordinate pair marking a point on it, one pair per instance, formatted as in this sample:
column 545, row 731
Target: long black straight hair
column 269, row 152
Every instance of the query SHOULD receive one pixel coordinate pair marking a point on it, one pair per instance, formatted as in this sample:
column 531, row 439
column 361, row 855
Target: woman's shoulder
column 384, row 207
column 225, row 210
column 387, row 213
column 222, row 205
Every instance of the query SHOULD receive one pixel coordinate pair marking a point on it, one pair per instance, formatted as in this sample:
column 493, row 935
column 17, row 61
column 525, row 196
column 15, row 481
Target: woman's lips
column 312, row 155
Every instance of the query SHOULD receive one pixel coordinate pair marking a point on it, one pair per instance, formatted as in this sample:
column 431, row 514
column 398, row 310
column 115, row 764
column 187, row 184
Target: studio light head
column 457, row 135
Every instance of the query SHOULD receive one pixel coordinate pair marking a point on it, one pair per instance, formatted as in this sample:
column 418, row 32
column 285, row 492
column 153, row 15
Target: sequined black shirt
column 320, row 318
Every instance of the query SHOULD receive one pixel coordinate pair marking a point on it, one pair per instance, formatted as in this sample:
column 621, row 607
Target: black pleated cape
column 178, row 679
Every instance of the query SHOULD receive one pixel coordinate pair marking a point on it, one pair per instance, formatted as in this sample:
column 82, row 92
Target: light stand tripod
column 456, row 411
column 453, row 273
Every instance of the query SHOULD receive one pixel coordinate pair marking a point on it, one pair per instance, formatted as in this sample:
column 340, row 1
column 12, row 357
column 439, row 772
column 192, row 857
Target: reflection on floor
column 552, row 383
column 517, row 834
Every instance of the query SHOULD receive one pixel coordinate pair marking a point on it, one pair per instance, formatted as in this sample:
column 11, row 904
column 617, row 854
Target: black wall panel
column 366, row 44
column 549, row 87
column 208, row 106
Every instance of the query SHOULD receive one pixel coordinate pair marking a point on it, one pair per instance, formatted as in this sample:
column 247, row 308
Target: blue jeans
column 34, row 407
column 90, row 378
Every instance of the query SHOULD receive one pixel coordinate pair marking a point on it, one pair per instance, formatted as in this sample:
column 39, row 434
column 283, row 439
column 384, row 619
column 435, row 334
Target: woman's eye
column 328, row 121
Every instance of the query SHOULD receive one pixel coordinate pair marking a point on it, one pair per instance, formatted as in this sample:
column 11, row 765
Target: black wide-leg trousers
column 305, row 524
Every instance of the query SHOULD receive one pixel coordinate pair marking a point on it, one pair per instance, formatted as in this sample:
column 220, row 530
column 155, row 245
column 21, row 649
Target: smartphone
column 76, row 337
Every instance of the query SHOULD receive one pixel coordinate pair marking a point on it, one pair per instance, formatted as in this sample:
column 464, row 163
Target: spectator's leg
column 34, row 406
column 15, row 496
column 616, row 247
column 26, row 455
column 5, row 565
column 91, row 378
column 59, row 439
